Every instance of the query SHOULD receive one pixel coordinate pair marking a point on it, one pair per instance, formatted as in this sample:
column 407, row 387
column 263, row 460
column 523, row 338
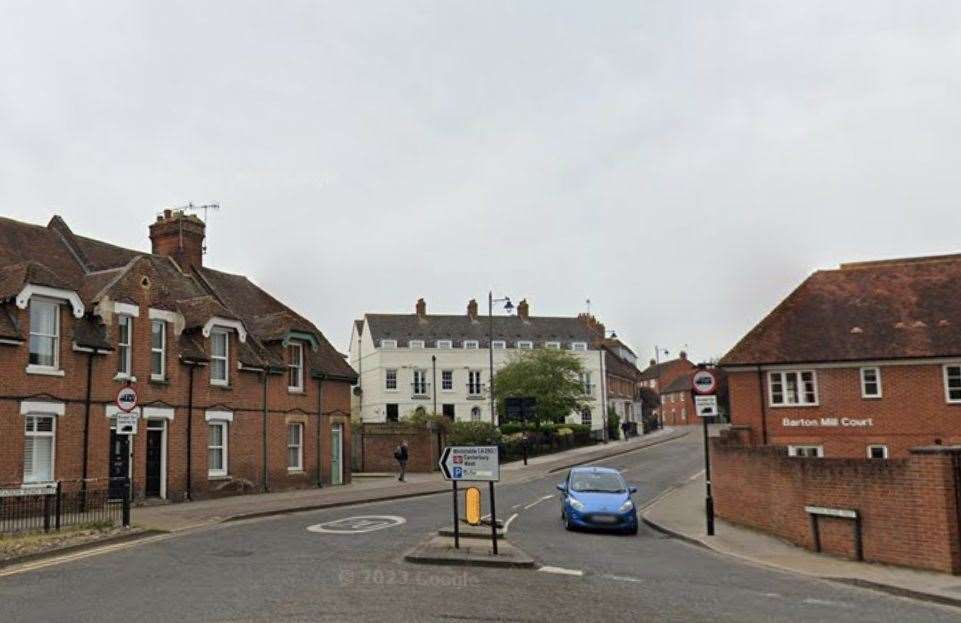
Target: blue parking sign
column 458, row 472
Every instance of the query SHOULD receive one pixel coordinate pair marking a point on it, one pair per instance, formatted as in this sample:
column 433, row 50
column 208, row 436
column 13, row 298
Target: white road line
column 533, row 504
column 562, row 571
column 508, row 524
column 622, row 578
column 79, row 555
column 697, row 475
column 516, row 506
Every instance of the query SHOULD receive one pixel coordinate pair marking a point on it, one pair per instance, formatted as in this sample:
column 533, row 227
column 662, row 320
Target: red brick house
column 660, row 375
column 677, row 399
column 863, row 361
column 236, row 392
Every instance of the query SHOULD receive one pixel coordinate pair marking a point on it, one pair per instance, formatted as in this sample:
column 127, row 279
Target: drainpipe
column 265, row 486
column 86, row 431
column 760, row 386
column 320, row 421
column 190, row 428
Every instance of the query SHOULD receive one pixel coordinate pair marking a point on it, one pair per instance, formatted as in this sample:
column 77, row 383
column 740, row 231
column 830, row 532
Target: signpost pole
column 493, row 520
column 456, row 520
column 709, row 500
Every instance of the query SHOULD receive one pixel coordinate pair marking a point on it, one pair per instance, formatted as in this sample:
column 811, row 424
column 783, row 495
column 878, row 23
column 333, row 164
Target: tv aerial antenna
column 205, row 207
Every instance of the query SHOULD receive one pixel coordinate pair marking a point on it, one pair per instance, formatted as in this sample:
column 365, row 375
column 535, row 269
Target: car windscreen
column 599, row 482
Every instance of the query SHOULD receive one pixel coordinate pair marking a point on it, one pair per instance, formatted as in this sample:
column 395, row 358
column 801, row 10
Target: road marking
column 48, row 562
column 622, row 578
column 515, row 507
column 821, row 602
column 512, row 518
column 357, row 525
column 697, row 475
column 533, row 504
column 562, row 571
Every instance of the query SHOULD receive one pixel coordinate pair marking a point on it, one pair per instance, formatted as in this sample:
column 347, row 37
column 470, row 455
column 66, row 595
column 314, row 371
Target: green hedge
column 473, row 434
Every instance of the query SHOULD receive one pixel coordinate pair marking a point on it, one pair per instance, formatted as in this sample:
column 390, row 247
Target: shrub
column 564, row 432
column 510, row 428
column 422, row 419
column 473, row 434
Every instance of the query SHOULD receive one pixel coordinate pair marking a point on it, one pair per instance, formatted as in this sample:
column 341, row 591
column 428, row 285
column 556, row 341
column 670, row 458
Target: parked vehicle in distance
column 597, row 497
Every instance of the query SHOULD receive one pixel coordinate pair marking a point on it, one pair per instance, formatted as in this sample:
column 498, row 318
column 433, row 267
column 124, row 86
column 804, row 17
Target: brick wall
column 909, row 506
column 380, row 440
column 911, row 412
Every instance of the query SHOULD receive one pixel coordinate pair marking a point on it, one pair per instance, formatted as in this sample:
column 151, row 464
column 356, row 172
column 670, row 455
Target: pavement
column 680, row 512
column 474, row 552
column 347, row 563
column 366, row 488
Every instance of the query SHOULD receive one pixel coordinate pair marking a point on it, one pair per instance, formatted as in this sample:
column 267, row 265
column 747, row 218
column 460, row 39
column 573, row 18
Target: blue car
column 597, row 497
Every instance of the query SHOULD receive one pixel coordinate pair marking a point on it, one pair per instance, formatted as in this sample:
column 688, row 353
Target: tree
column 552, row 377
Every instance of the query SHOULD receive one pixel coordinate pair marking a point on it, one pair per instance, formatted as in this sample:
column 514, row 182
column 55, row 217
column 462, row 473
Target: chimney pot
column 472, row 309
column 523, row 310
column 421, row 308
column 653, row 362
column 683, row 355
column 179, row 236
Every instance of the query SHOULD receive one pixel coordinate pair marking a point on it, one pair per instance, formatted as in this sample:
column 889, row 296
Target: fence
column 542, row 443
column 51, row 507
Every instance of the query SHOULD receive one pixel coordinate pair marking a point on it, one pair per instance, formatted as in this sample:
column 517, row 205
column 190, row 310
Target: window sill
column 218, row 477
column 155, row 380
column 296, row 390
column 124, row 377
column 292, row 471
column 808, row 405
column 223, row 386
column 872, row 397
column 44, row 370
column 391, row 391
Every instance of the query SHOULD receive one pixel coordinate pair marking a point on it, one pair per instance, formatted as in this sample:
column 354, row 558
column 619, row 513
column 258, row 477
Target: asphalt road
column 275, row 569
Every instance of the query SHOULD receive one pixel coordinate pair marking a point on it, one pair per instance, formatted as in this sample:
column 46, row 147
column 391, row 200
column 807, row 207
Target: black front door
column 154, row 462
column 119, row 465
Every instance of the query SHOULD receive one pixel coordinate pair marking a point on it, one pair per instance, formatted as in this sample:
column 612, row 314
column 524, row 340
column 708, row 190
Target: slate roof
column 616, row 365
column 433, row 327
column 890, row 309
column 683, row 383
column 55, row 256
column 656, row 370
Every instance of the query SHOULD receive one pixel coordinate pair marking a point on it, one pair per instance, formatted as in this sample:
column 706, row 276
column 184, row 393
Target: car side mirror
column 562, row 487
column 632, row 489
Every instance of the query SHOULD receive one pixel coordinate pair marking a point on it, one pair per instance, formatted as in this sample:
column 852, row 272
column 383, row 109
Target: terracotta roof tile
column 866, row 311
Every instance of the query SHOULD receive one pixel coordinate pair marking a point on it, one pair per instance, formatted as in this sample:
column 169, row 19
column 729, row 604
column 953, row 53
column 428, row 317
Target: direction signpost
column 472, row 464
column 705, row 403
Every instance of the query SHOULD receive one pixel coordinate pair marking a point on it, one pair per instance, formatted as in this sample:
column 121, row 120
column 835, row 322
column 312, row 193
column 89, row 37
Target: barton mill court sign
column 829, row 422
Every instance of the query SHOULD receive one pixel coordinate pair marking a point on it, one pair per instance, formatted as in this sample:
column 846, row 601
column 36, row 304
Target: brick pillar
column 938, row 494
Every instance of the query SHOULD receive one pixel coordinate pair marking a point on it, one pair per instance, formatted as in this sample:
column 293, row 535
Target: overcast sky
column 682, row 164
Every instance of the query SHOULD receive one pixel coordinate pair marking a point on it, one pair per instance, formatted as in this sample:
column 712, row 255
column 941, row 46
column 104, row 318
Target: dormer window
column 471, row 344
column 445, row 344
column 553, row 345
column 295, row 367
column 44, row 334
column 388, row 343
column 579, row 346
column 525, row 345
column 416, row 343
column 219, row 356
column 499, row 344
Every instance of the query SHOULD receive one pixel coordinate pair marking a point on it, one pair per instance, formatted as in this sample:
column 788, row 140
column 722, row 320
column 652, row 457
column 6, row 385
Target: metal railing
column 60, row 505
column 475, row 391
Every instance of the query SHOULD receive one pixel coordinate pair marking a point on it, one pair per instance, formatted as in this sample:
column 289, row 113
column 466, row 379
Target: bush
column 510, row 428
column 422, row 419
column 473, row 434
column 564, row 432
column 578, row 429
column 613, row 424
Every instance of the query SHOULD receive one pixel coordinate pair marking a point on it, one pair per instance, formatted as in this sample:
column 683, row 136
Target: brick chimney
column 653, row 362
column 179, row 236
column 683, row 355
column 524, row 310
column 421, row 308
column 472, row 310
column 592, row 324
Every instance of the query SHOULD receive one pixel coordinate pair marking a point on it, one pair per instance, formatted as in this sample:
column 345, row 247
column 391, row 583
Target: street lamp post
column 490, row 340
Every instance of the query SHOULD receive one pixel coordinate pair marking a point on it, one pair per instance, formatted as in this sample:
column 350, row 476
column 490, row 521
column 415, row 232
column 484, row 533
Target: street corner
column 441, row 550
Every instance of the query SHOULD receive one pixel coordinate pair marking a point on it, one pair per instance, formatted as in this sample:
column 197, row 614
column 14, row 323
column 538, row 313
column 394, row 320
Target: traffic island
column 476, row 552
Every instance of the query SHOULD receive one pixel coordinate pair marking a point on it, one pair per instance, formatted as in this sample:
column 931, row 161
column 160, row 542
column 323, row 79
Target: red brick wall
column 909, row 506
column 680, row 412
column 380, row 440
column 243, row 397
column 912, row 412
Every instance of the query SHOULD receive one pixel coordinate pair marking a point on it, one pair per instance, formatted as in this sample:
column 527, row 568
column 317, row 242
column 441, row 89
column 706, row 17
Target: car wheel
column 567, row 523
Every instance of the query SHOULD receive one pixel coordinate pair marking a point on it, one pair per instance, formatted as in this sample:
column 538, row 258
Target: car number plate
column 605, row 518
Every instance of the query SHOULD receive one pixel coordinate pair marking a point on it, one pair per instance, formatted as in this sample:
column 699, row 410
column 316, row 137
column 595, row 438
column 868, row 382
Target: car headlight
column 576, row 504
column 626, row 506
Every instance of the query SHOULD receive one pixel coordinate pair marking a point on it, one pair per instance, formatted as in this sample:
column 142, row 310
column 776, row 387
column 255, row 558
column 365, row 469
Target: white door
column 336, row 454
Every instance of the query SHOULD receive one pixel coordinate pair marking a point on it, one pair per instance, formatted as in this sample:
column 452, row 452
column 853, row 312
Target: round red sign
column 127, row 399
column 704, row 382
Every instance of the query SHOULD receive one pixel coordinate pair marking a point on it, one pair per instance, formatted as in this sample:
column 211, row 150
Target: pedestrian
column 400, row 453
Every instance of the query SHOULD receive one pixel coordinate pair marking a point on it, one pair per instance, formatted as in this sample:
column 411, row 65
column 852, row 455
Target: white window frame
column 415, row 344
column 472, row 385
column 224, row 432
column 864, row 382
column 498, row 345
column 476, row 415
column 471, row 344
column 794, row 449
column 299, row 427
column 214, row 334
column 525, row 345
column 41, row 368
column 444, row 386
column 445, row 344
column 33, row 481
column 884, row 450
column 162, row 350
column 579, row 346
column 554, row 345
column 947, row 387
column 802, row 394
column 388, row 343
column 423, row 384
column 125, row 349
column 588, row 413
column 387, row 387
column 298, row 366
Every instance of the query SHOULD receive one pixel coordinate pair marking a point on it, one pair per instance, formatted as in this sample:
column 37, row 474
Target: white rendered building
column 406, row 361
